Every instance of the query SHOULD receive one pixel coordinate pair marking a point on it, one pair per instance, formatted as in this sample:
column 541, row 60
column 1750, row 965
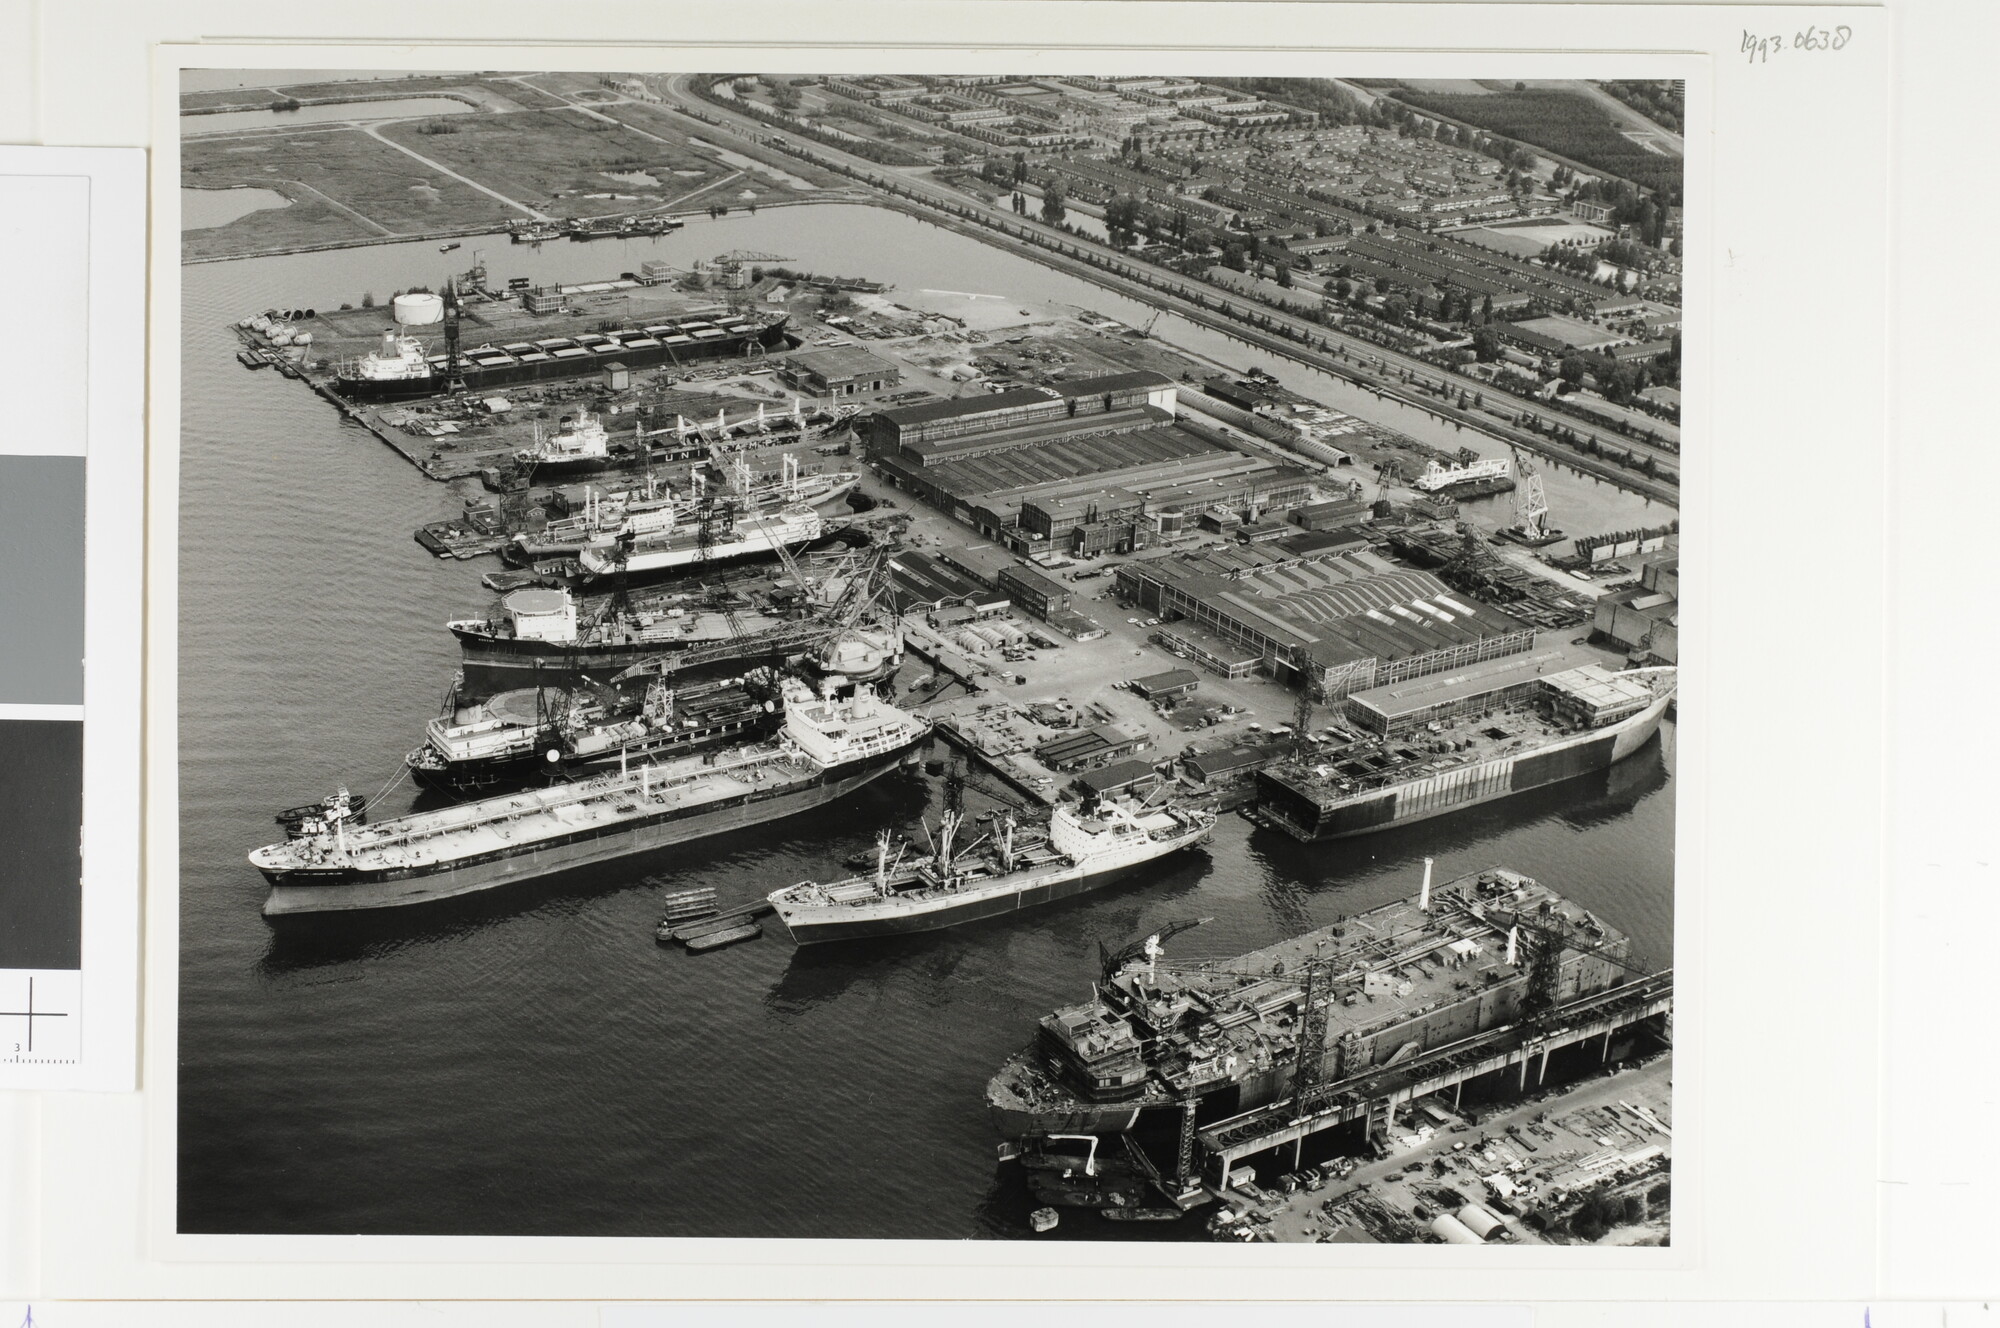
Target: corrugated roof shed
column 1493, row 675
column 1232, row 760
column 1117, row 775
column 836, row 362
column 1118, row 382
column 1167, row 681
column 926, row 411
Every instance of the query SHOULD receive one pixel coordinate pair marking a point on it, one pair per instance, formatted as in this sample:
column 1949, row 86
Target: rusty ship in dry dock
column 1176, row 1068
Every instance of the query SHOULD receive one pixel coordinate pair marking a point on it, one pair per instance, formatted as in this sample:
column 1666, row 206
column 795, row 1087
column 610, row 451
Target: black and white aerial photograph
column 932, row 657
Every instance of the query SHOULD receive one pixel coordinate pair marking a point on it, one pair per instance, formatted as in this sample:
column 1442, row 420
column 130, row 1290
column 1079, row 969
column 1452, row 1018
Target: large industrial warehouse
column 1083, row 467
column 1344, row 622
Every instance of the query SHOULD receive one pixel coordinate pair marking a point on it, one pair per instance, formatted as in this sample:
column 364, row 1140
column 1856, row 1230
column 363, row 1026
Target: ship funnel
column 882, row 860
column 1424, row 899
column 1513, row 943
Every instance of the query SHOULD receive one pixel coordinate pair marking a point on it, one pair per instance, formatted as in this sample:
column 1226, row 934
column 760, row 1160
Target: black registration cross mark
column 31, row 1014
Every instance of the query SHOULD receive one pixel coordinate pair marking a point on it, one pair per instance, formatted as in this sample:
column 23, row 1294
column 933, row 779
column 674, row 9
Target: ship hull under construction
column 808, row 926
column 298, row 892
column 1455, row 790
column 491, row 664
column 479, row 373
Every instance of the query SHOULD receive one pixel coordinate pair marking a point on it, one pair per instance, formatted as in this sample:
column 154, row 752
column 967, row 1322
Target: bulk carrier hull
column 490, row 664
column 301, row 892
column 474, row 376
column 998, row 899
column 1454, row 790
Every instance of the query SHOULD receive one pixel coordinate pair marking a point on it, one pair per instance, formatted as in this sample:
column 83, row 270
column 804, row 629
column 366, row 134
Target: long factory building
column 1083, row 467
column 1342, row 621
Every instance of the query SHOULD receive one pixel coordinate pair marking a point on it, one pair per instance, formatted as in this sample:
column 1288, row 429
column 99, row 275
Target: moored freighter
column 1083, row 848
column 1449, row 741
column 671, row 547
column 610, row 515
column 825, row 749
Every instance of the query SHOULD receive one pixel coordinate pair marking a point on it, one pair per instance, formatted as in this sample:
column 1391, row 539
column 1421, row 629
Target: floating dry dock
column 1490, row 974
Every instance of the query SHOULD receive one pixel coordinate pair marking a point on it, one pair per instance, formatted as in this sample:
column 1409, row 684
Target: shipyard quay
column 830, row 669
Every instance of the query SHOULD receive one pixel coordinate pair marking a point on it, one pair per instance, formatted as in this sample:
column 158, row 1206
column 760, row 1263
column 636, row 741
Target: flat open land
column 556, row 160
column 653, row 120
column 495, row 94
column 543, row 144
column 345, row 185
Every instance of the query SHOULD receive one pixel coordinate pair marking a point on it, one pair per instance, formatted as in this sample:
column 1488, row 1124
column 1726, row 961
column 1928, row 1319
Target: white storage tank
column 542, row 615
column 419, row 309
column 1452, row 1231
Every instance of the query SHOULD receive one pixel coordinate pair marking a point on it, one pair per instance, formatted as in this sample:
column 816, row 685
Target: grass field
column 347, row 166
column 553, row 159
column 348, row 185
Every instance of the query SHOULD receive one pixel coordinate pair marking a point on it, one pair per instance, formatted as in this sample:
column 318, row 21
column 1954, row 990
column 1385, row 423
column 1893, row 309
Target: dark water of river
column 532, row 1062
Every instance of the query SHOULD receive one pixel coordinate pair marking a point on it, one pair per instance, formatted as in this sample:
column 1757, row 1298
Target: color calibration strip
column 71, row 605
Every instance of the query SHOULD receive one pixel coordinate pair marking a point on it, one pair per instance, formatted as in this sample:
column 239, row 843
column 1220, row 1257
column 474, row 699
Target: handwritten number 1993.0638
column 1759, row 50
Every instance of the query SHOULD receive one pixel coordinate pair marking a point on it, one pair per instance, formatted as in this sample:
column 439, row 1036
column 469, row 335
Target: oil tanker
column 825, row 749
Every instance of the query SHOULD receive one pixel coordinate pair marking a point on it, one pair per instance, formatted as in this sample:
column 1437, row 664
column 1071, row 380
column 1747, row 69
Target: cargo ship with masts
column 825, row 749
column 608, row 514
column 1083, row 846
column 714, row 539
